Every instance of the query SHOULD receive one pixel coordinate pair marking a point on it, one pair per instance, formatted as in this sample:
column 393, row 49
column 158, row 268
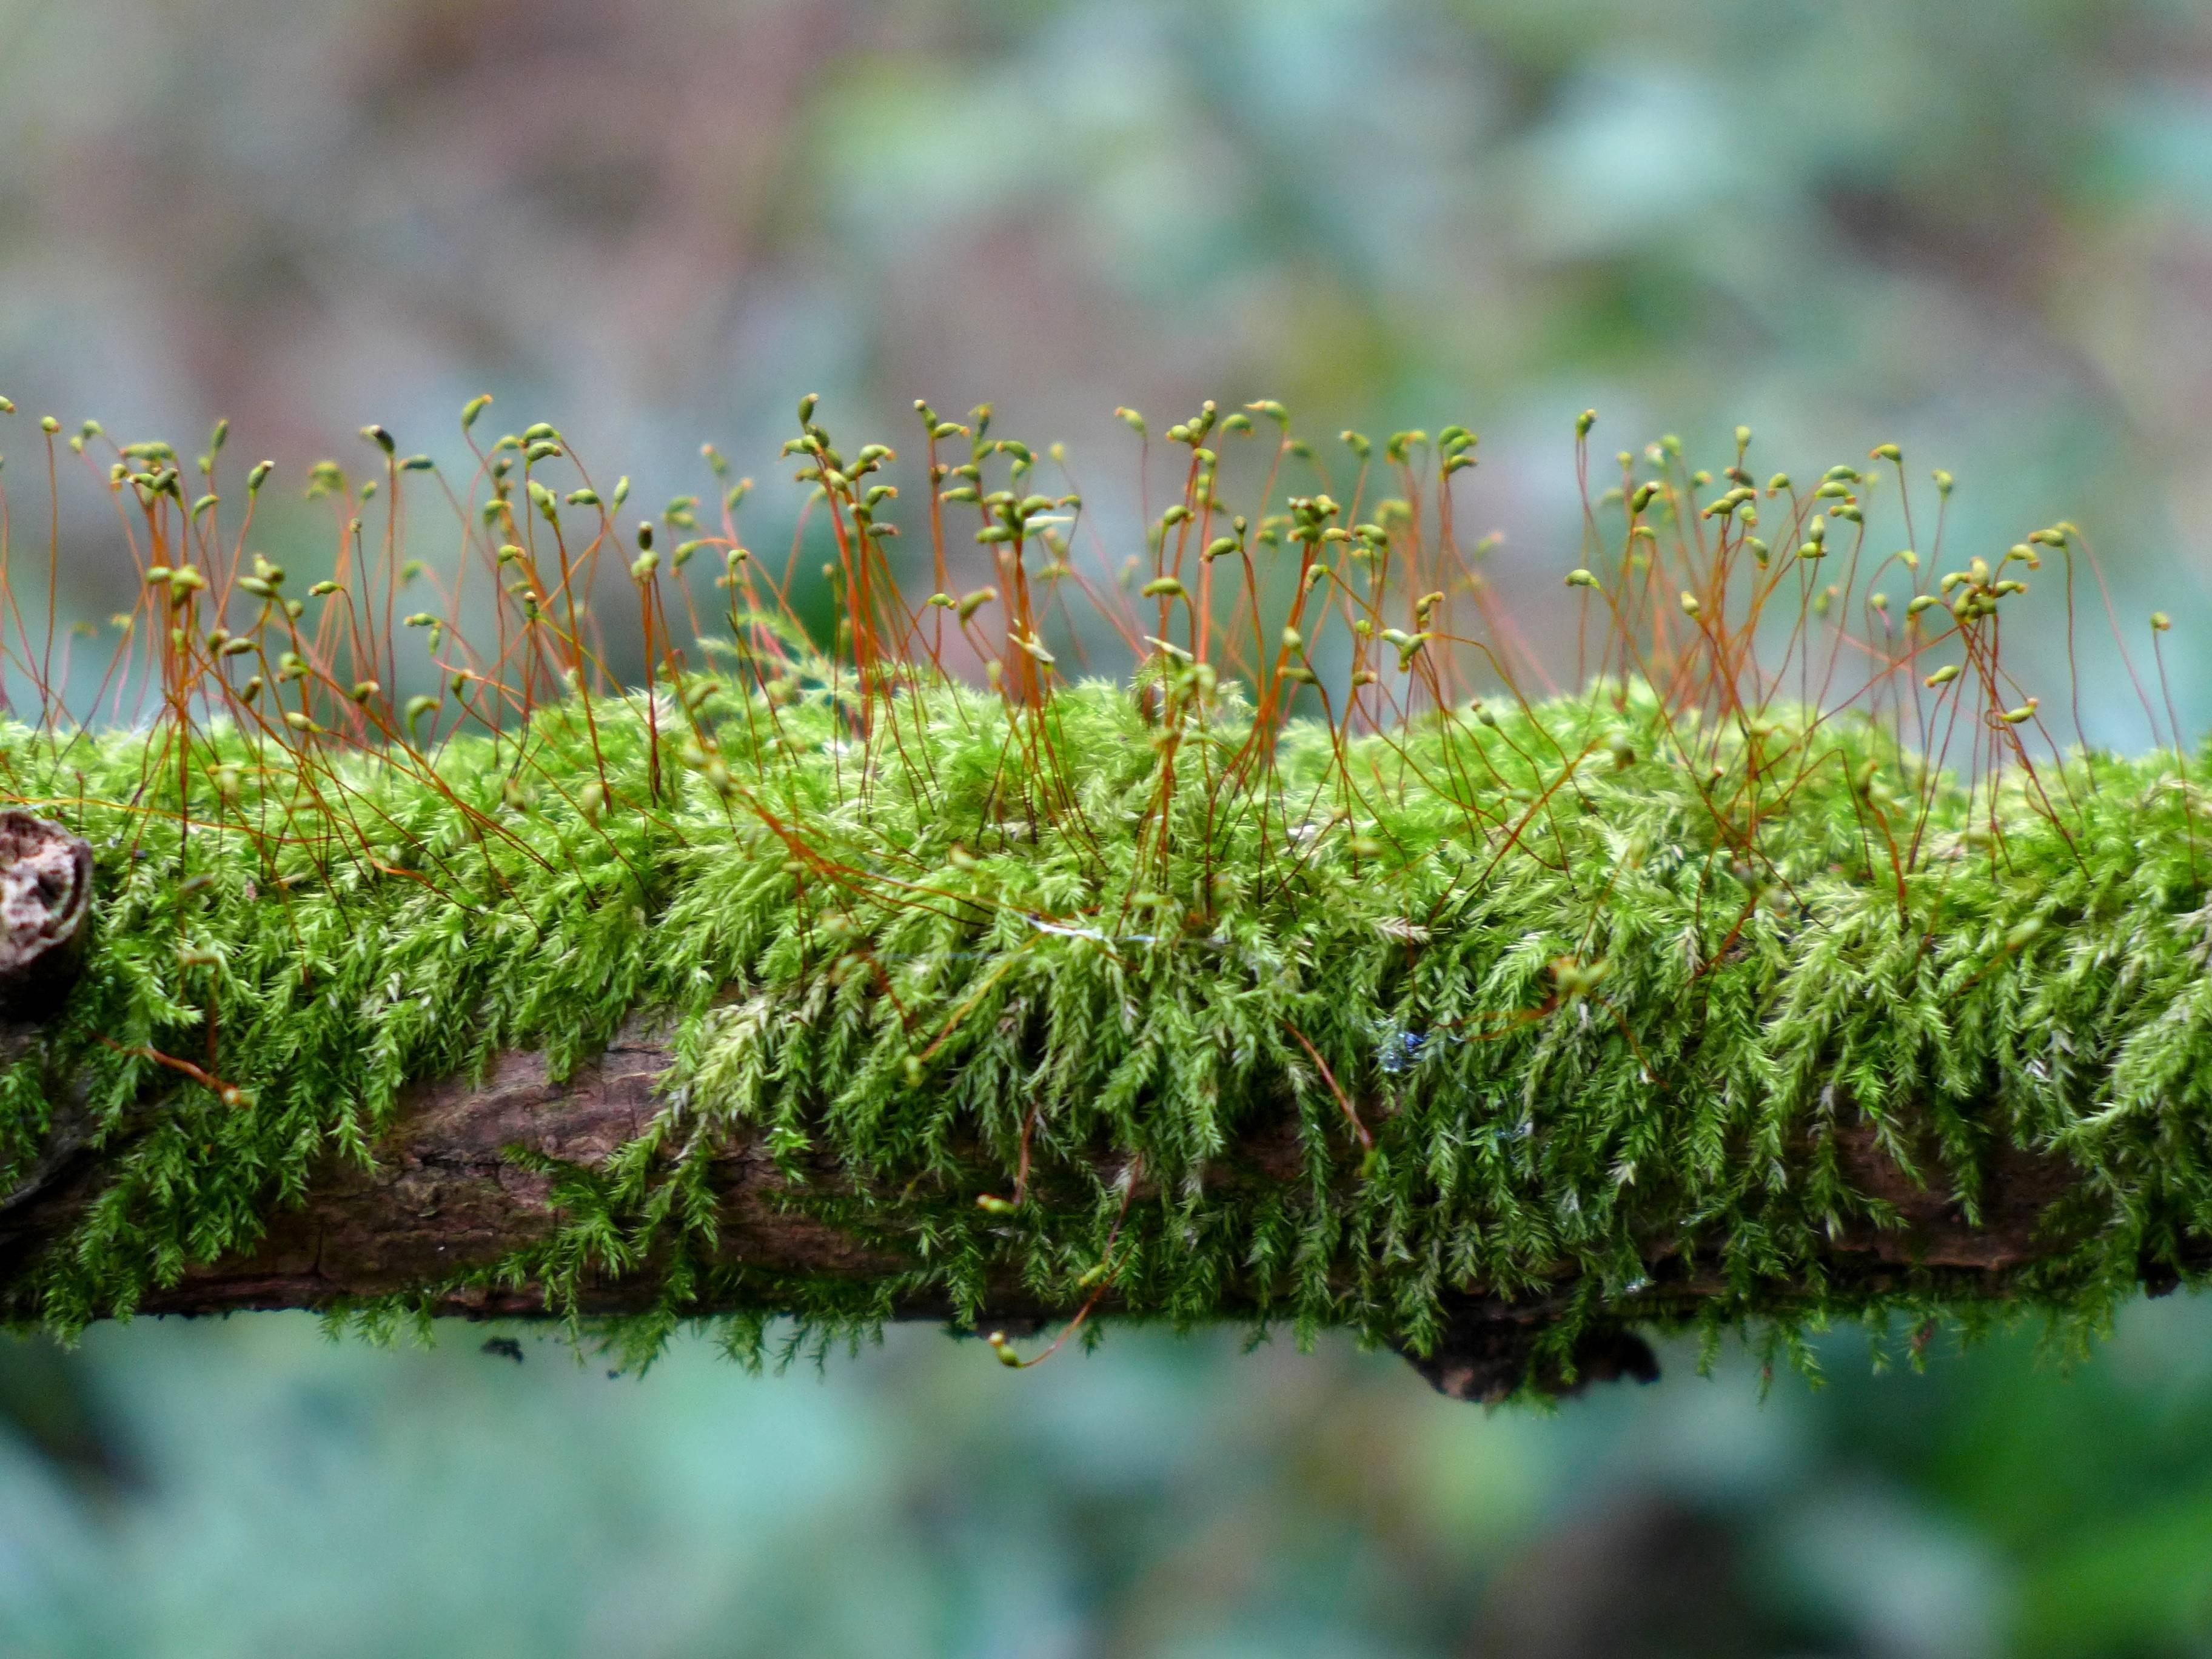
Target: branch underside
column 458, row 1183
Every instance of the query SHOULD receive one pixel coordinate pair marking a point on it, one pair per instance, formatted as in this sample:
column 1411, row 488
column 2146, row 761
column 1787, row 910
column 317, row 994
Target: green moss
column 1584, row 981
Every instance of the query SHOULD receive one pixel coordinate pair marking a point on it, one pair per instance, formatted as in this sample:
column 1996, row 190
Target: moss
column 1586, row 974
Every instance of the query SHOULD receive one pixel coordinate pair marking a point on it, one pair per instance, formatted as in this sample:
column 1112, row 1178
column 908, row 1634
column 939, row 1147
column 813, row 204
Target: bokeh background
column 1982, row 229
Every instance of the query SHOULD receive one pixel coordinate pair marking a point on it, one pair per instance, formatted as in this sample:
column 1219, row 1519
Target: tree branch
column 458, row 1183
column 1495, row 1115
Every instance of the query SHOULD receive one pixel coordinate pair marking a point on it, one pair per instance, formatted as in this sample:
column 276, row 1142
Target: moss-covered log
column 1486, row 1038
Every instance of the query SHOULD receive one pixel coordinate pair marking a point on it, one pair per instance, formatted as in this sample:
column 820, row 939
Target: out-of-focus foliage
column 1981, row 229
column 1158, row 1496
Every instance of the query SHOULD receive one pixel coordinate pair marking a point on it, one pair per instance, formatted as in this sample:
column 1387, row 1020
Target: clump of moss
column 1528, row 1002
column 1571, row 999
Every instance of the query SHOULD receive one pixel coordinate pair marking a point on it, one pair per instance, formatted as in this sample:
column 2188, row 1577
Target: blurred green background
column 1982, row 230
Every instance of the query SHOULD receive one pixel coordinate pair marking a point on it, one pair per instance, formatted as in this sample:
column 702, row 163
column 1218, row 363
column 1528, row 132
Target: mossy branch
column 649, row 1057
column 1290, row 982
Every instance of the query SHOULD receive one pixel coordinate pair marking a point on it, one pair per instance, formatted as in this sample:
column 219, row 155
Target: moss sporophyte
column 1316, row 971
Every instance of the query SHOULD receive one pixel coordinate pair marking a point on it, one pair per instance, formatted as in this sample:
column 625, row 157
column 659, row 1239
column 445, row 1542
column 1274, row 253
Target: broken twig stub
column 46, row 903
